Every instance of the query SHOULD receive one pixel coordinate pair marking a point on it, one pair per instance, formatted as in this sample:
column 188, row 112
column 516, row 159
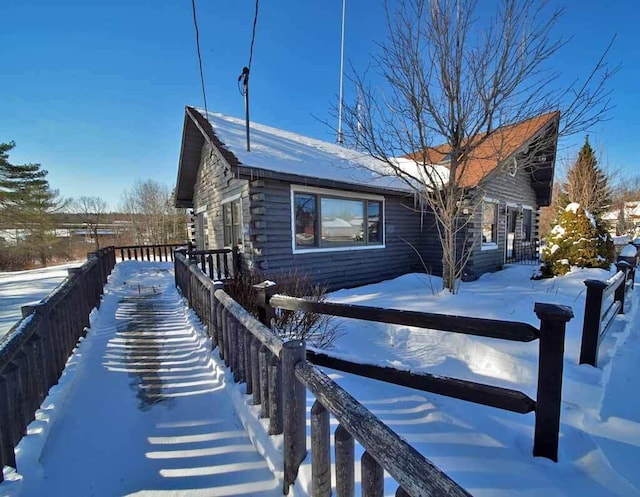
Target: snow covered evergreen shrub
column 577, row 239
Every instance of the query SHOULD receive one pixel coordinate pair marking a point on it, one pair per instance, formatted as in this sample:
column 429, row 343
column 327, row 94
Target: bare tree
column 150, row 207
column 91, row 210
column 451, row 75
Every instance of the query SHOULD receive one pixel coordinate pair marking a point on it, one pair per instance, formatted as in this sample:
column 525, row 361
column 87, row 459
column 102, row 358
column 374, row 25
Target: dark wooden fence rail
column 276, row 374
column 35, row 351
column 216, row 263
column 605, row 300
column 553, row 319
column 163, row 252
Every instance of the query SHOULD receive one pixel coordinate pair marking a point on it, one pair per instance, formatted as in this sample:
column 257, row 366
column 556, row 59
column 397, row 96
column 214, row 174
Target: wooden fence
column 34, row 352
column 553, row 319
column 277, row 375
column 160, row 253
column 216, row 262
column 605, row 300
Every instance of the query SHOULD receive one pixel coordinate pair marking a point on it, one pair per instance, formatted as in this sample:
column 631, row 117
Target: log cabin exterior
column 295, row 203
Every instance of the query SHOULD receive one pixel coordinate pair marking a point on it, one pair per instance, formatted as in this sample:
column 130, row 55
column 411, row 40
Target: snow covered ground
column 486, row 450
column 18, row 288
column 140, row 409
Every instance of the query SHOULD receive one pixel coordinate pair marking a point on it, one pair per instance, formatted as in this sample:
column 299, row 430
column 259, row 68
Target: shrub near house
column 577, row 239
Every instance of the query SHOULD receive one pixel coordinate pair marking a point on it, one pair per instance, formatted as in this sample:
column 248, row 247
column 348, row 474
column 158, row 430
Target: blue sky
column 95, row 90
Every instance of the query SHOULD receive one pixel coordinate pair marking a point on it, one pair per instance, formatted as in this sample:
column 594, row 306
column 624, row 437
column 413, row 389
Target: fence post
column 275, row 395
column 553, row 322
column 321, row 452
column 344, row 449
column 263, row 365
column 235, row 262
column 372, row 476
column 625, row 267
column 295, row 400
column 591, row 323
column 265, row 291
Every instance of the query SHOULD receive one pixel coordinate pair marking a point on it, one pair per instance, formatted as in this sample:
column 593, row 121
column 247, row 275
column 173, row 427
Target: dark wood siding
column 214, row 184
column 271, row 237
column 508, row 190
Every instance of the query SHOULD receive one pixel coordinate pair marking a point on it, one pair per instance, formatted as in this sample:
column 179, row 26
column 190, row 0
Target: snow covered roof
column 275, row 153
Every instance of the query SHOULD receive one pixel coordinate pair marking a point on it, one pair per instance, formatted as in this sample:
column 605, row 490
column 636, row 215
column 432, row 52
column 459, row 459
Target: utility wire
column 195, row 23
column 253, row 34
column 243, row 79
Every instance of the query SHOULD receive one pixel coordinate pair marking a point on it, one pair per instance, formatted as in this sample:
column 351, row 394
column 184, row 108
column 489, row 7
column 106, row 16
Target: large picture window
column 325, row 221
column 489, row 223
column 232, row 222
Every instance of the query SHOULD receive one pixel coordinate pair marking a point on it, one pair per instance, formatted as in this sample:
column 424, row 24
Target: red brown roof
column 494, row 150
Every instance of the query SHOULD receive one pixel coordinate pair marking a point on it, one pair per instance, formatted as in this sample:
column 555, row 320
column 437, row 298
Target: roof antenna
column 340, row 138
column 244, row 91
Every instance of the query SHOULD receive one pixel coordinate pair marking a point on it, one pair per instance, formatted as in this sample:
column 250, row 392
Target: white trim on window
column 492, row 245
column 200, row 209
column 224, row 201
column 326, row 192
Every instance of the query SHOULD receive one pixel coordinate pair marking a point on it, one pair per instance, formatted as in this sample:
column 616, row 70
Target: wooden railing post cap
column 294, row 344
column 27, row 310
column 622, row 265
column 265, row 291
column 595, row 284
column 264, row 285
column 74, row 270
column 553, row 312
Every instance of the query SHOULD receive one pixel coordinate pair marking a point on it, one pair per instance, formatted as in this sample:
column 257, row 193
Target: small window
column 489, row 222
column 305, row 220
column 202, row 242
column 326, row 221
column 527, row 216
column 232, row 223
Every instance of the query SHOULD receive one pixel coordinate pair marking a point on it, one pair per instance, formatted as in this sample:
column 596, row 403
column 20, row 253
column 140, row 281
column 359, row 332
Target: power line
column 253, row 34
column 195, row 23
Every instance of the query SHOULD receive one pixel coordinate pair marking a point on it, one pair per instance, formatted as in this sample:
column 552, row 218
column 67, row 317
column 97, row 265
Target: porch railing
column 159, row 252
column 553, row 319
column 277, row 375
column 218, row 264
column 605, row 300
column 521, row 252
column 34, row 352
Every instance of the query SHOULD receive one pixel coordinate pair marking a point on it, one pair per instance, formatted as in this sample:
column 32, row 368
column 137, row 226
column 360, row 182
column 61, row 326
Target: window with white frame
column 232, row 223
column 202, row 241
column 324, row 220
column 527, row 219
column 489, row 222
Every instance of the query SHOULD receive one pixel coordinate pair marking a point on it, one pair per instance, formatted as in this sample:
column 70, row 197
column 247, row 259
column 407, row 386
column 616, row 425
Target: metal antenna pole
column 340, row 136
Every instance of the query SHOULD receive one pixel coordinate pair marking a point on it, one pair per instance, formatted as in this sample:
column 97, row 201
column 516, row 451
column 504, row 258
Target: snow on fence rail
column 34, row 352
column 605, row 300
column 277, row 374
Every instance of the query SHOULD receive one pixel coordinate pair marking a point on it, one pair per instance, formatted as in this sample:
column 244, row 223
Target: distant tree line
column 38, row 226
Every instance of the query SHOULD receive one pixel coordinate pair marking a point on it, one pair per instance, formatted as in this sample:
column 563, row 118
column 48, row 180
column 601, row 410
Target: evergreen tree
column 27, row 204
column 587, row 184
column 578, row 239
